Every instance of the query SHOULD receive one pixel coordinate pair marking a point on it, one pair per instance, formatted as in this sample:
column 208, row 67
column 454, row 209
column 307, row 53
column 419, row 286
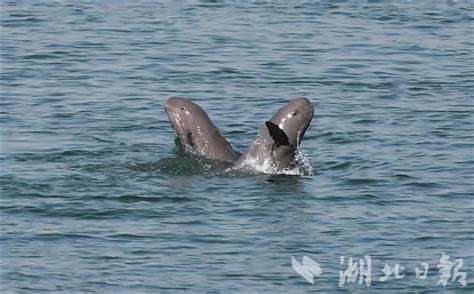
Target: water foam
column 254, row 165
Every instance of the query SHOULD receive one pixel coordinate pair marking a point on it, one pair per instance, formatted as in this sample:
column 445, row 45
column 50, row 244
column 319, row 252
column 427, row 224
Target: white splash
column 266, row 166
column 304, row 164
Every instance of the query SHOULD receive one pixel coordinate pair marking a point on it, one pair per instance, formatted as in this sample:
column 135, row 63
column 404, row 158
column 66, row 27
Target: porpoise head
column 195, row 130
column 293, row 120
column 185, row 116
column 280, row 137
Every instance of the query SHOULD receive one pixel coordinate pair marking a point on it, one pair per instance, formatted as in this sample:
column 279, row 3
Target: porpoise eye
column 296, row 112
column 182, row 108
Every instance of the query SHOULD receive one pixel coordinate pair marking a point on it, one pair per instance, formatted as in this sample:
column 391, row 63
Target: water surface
column 95, row 198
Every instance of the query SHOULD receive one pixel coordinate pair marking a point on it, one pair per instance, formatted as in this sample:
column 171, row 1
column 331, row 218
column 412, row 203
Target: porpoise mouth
column 174, row 118
column 306, row 125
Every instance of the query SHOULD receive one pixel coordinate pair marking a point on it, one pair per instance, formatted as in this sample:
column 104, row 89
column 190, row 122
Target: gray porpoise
column 280, row 137
column 196, row 132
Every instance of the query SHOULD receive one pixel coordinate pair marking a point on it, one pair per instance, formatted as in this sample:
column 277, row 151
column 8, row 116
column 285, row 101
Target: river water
column 95, row 197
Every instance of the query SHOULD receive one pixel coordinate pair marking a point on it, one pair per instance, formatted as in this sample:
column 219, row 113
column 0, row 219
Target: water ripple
column 96, row 198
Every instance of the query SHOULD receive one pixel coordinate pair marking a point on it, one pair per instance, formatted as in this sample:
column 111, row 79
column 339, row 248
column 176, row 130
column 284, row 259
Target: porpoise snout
column 167, row 108
column 303, row 103
column 172, row 103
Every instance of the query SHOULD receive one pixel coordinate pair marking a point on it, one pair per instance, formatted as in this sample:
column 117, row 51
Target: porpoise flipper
column 277, row 134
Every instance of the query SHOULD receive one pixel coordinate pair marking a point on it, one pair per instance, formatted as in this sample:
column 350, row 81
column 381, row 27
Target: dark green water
column 96, row 199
